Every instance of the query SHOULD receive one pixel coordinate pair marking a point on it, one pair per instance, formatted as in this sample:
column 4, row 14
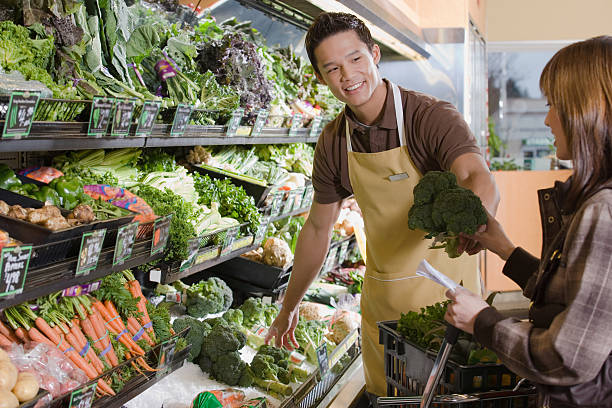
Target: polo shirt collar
column 387, row 121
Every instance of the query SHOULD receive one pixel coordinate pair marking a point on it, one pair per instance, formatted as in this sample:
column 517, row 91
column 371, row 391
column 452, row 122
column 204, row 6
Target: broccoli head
column 199, row 330
column 205, row 362
column 431, row 184
column 255, row 313
column 444, row 209
column 228, row 368
column 208, row 297
column 233, row 316
column 263, row 367
column 223, row 339
column 246, row 378
column 279, row 354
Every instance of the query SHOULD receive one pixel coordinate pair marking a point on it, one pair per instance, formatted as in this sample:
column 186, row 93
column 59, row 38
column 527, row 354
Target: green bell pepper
column 19, row 189
column 8, row 177
column 69, row 190
column 47, row 195
column 30, row 187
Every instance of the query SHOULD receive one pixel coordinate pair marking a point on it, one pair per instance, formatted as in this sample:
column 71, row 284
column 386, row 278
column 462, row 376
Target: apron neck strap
column 399, row 117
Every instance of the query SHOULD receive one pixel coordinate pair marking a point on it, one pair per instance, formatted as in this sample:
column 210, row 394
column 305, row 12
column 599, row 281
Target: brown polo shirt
column 436, row 135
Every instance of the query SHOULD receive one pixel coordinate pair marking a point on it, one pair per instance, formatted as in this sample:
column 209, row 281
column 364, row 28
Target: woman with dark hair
column 565, row 347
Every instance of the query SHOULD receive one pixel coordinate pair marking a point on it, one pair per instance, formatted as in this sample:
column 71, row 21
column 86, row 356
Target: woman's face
column 561, row 143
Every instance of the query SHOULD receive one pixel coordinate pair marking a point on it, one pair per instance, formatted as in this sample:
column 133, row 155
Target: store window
column 518, row 138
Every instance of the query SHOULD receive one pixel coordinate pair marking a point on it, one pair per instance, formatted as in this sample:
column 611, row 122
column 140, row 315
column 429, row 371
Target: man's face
column 348, row 67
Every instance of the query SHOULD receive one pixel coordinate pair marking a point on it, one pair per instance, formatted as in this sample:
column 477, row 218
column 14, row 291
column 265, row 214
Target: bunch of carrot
column 85, row 328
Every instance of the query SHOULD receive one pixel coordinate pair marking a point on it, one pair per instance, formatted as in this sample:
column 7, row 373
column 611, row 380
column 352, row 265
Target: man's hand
column 283, row 329
column 470, row 245
column 464, row 308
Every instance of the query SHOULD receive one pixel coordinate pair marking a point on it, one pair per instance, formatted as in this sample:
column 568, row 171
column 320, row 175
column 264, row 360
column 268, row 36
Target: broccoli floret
column 286, row 371
column 223, row 339
column 205, row 362
column 277, row 353
column 269, row 376
column 228, row 368
column 246, row 378
column 255, row 313
column 263, row 367
column 214, row 321
column 199, row 330
column 444, row 209
column 431, row 184
column 310, row 335
column 208, row 297
column 283, row 375
column 233, row 316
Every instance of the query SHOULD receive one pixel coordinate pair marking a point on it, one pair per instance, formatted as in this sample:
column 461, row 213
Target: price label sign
column 124, row 110
column 277, row 201
column 126, row 235
column 343, row 251
column 229, row 240
column 308, row 195
column 330, row 260
column 296, row 122
column 89, row 253
column 261, row 231
column 14, row 262
column 161, row 232
column 100, row 116
column 315, row 128
column 260, row 122
column 193, row 246
column 289, row 204
column 83, row 397
column 234, row 122
column 166, row 355
column 20, row 114
column 323, row 359
column 150, row 110
column 181, row 119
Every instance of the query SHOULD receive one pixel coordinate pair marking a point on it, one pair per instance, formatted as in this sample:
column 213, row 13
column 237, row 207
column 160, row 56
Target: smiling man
column 377, row 149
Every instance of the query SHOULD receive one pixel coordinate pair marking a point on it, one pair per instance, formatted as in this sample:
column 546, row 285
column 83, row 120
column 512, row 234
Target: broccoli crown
column 246, row 378
column 223, row 339
column 419, row 217
column 263, row 367
column 205, row 363
column 233, row 316
column 228, row 368
column 279, row 354
column 310, row 334
column 255, row 312
column 459, row 210
column 214, row 321
column 208, row 296
column 431, row 184
column 284, row 376
column 199, row 330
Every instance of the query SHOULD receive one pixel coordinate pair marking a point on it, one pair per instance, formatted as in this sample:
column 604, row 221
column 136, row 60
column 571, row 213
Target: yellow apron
column 393, row 250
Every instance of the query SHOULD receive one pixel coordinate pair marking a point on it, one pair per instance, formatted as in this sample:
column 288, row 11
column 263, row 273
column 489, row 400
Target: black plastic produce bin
column 256, row 273
column 408, row 366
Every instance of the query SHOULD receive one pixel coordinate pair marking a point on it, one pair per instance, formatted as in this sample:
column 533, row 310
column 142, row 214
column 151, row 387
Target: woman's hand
column 283, row 329
column 494, row 238
column 464, row 308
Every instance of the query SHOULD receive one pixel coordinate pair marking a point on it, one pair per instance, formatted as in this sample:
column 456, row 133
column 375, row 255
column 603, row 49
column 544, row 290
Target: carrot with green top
column 136, row 291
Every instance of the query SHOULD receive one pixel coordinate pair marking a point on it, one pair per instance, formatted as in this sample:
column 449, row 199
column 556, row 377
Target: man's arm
column 472, row 173
column 311, row 249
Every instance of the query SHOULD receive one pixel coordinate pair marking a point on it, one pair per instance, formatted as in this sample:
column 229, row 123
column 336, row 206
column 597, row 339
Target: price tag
column 276, row 203
column 323, row 359
column 229, row 240
column 20, row 114
column 161, row 232
column 315, row 128
column 126, row 235
column 122, row 121
column 181, row 119
column 343, row 251
column 289, row 204
column 260, row 122
column 166, row 355
column 14, row 262
column 91, row 246
column 193, row 245
column 83, row 397
column 308, row 196
column 100, row 117
column 296, row 122
column 150, row 109
column 234, row 122
column 261, row 231
column 330, row 260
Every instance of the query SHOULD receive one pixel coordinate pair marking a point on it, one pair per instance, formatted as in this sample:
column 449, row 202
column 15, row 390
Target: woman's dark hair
column 328, row 24
column 578, row 84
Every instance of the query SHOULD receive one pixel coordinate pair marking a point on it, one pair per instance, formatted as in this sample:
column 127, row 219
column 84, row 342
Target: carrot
column 91, row 333
column 84, row 344
column 102, row 334
column 137, row 331
column 7, row 332
column 4, row 341
column 136, row 291
column 21, row 333
column 37, row 336
column 114, row 322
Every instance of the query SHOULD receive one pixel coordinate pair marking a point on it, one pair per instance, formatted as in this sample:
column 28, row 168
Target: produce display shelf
column 169, row 275
column 57, row 276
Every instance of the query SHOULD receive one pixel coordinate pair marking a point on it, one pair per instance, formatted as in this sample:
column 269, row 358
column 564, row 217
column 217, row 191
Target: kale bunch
column 443, row 209
column 235, row 62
